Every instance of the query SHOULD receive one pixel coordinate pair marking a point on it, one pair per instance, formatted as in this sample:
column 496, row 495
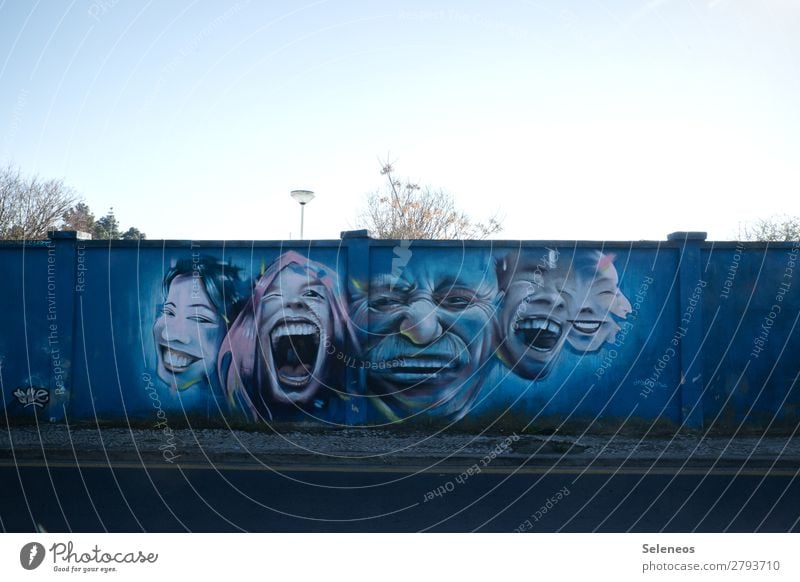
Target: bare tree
column 30, row 206
column 406, row 210
column 775, row 228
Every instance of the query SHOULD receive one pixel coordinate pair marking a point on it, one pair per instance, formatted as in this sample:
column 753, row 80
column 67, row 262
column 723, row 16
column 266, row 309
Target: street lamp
column 303, row 197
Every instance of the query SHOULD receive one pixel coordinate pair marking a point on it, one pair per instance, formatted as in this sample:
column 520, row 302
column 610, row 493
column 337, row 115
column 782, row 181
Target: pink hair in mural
column 288, row 340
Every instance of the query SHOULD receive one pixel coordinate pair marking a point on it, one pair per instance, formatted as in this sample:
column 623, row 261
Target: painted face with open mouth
column 535, row 315
column 535, row 321
column 599, row 298
column 431, row 330
column 295, row 320
column 187, row 335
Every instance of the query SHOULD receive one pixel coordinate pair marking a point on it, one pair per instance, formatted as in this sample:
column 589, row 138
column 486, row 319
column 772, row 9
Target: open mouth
column 586, row 325
column 540, row 333
column 176, row 361
column 295, row 351
column 415, row 369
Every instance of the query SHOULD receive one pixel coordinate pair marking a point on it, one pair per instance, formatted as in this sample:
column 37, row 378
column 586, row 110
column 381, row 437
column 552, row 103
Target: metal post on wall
column 62, row 289
column 690, row 279
column 357, row 243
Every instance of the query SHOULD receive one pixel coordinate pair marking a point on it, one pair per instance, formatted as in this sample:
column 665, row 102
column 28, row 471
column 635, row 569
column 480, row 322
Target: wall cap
column 69, row 234
column 687, row 235
column 361, row 233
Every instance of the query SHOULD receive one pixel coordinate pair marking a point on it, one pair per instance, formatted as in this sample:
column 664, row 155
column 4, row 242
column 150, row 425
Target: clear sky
column 597, row 120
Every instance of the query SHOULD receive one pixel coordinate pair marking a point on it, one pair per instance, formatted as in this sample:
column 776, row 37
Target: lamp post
column 303, row 197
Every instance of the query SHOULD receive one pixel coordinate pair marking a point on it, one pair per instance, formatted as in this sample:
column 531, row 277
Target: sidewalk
column 382, row 447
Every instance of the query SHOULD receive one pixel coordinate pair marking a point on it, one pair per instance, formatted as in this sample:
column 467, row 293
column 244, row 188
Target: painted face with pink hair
column 295, row 317
column 275, row 352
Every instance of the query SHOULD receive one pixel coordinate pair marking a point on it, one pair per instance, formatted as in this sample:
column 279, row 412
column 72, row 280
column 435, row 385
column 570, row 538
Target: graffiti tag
column 32, row 396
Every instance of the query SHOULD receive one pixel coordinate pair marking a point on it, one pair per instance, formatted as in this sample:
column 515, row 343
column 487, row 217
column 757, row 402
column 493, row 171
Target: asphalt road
column 61, row 497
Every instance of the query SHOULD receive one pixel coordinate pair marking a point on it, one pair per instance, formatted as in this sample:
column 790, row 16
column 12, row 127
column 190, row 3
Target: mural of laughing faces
column 552, row 298
column 201, row 294
column 432, row 325
column 278, row 350
column 431, row 329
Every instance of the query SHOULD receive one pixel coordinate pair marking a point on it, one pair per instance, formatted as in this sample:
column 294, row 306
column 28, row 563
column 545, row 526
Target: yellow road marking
column 361, row 468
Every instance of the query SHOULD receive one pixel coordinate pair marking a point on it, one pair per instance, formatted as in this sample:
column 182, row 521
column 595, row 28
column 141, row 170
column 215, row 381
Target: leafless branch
column 406, row 210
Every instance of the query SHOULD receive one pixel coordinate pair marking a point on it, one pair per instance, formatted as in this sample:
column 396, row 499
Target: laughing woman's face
column 295, row 319
column 599, row 298
column 187, row 334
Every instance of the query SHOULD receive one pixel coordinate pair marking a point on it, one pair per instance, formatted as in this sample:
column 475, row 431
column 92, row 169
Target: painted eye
column 312, row 293
column 385, row 302
column 200, row 319
column 456, row 301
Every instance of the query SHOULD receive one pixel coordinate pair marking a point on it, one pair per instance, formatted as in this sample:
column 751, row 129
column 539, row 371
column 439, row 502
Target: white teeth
column 587, row 326
column 295, row 378
column 538, row 323
column 294, row 381
column 425, row 363
column 283, row 329
column 175, row 359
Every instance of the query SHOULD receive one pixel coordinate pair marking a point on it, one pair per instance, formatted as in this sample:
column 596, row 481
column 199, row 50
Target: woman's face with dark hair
column 187, row 334
column 296, row 318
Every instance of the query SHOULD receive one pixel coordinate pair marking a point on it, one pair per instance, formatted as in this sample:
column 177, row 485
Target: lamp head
column 302, row 196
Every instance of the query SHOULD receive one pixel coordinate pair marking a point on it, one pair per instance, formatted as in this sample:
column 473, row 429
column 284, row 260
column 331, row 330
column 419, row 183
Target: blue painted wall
column 522, row 335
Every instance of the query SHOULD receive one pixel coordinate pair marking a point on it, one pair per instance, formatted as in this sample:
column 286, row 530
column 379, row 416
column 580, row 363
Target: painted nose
column 548, row 300
column 293, row 303
column 420, row 324
column 176, row 332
